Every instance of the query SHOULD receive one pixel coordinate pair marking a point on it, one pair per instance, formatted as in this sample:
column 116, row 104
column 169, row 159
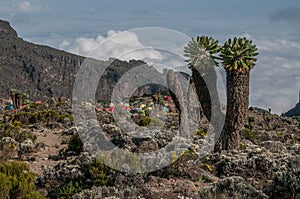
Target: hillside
column 37, row 70
column 44, row 71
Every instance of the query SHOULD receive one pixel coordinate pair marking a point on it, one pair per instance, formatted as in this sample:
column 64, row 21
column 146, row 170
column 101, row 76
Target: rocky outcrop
column 294, row 111
column 6, row 31
column 44, row 71
column 34, row 69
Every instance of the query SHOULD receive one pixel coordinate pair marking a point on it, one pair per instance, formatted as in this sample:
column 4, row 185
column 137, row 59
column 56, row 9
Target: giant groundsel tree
column 238, row 57
column 201, row 55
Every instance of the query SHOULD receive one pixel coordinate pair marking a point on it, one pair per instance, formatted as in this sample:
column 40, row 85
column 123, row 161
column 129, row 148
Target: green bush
column 285, row 184
column 148, row 121
column 44, row 116
column 248, row 134
column 250, row 122
column 75, row 144
column 14, row 131
column 64, row 116
column 100, row 174
column 2, row 125
column 251, row 119
column 280, row 134
column 68, row 190
column 17, row 182
column 117, row 160
column 144, row 121
column 8, row 151
column 17, row 123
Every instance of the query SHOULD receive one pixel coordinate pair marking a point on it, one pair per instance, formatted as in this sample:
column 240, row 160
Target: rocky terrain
column 43, row 136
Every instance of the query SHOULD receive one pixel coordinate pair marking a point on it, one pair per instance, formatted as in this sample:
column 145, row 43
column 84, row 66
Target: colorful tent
column 168, row 98
column 9, row 107
column 166, row 109
column 38, row 102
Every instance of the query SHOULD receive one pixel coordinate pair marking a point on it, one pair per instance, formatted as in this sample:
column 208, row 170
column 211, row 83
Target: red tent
column 168, row 98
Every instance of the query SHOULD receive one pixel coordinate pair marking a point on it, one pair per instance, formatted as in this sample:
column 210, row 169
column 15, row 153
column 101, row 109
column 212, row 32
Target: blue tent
column 9, row 107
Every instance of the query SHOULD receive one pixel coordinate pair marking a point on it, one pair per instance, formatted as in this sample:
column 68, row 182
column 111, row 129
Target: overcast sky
column 79, row 26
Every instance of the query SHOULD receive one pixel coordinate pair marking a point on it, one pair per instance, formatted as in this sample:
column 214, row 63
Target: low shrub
column 148, row 121
column 68, row 190
column 16, row 181
column 285, row 185
column 14, row 131
column 248, row 134
column 44, row 116
column 100, row 174
column 75, row 144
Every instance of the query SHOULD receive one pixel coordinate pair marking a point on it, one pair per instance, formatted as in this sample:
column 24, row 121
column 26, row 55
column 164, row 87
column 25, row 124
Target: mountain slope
column 35, row 69
column 44, row 71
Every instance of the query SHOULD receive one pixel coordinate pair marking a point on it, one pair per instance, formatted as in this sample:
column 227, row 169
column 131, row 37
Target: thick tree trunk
column 202, row 92
column 206, row 89
column 237, row 110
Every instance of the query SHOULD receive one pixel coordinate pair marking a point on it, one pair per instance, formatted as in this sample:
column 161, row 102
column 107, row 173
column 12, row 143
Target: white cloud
column 275, row 81
column 280, row 46
column 64, row 44
column 123, row 45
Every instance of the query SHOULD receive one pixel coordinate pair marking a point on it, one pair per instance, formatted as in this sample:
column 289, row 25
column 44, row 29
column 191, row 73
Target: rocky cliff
column 44, row 71
column 37, row 70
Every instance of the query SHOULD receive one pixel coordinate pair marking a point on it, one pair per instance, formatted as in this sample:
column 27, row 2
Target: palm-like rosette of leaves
column 202, row 52
column 238, row 55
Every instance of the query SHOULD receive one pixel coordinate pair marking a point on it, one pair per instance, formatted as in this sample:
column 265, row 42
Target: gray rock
column 70, row 131
column 40, row 145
